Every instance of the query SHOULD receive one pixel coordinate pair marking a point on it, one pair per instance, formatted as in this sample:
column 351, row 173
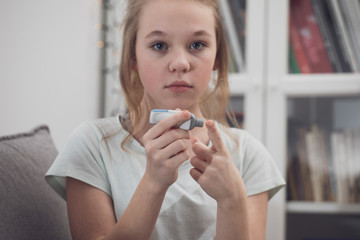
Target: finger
column 195, row 174
column 168, row 123
column 199, row 164
column 176, row 147
column 179, row 158
column 172, row 136
column 201, row 150
column 215, row 137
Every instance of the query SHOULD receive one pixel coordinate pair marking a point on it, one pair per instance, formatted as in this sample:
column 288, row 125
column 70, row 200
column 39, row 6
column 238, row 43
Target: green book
column 294, row 67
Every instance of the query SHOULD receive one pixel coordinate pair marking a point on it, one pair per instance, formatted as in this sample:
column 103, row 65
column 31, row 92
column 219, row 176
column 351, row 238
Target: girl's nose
column 179, row 62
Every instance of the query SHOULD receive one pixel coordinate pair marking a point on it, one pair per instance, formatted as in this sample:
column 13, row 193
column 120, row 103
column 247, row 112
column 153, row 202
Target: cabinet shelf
column 323, row 207
column 321, row 84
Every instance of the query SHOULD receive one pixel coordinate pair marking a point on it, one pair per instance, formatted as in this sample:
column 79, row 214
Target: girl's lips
column 179, row 86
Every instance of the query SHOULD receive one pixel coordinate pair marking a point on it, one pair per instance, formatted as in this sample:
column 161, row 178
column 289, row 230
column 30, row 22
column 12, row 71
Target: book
column 339, row 166
column 298, row 48
column 327, row 26
column 345, row 155
column 351, row 164
column 293, row 178
column 342, row 160
column 293, row 65
column 310, row 35
column 343, row 34
column 356, row 158
column 305, row 169
column 324, row 167
column 329, row 189
column 320, row 165
column 355, row 13
column 315, row 166
column 325, row 33
column 352, row 25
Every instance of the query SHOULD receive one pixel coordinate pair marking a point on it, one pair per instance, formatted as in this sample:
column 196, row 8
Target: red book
column 310, row 35
column 298, row 48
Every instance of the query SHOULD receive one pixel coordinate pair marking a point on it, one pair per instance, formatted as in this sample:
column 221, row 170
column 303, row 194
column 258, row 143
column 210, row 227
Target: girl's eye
column 159, row 46
column 197, row 45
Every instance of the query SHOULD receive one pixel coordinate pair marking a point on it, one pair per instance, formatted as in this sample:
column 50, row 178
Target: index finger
column 168, row 123
column 215, row 137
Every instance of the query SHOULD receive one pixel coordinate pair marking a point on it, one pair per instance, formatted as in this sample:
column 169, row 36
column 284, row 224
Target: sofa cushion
column 29, row 208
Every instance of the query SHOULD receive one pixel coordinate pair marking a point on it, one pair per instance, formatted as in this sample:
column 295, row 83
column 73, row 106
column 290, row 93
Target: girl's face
column 175, row 52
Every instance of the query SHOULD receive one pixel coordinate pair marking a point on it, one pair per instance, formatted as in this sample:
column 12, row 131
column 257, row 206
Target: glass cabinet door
column 323, row 149
column 323, row 167
column 312, row 120
column 245, row 26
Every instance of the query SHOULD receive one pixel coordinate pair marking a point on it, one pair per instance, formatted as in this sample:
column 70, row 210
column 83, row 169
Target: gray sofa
column 29, row 208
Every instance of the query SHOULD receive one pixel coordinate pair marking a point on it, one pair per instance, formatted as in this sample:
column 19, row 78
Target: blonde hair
column 211, row 102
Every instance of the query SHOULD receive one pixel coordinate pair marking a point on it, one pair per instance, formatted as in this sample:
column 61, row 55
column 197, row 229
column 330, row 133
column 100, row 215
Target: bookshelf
column 275, row 98
column 316, row 97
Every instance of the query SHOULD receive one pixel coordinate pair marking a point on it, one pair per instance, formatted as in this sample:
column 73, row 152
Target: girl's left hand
column 214, row 169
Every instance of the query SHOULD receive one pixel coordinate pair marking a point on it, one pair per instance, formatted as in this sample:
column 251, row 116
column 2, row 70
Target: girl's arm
column 238, row 216
column 243, row 220
column 91, row 211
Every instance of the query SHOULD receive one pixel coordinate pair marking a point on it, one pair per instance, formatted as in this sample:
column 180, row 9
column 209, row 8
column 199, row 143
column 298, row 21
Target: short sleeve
column 81, row 159
column 259, row 170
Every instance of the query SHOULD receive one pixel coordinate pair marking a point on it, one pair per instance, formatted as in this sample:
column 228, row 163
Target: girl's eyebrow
column 202, row 33
column 157, row 33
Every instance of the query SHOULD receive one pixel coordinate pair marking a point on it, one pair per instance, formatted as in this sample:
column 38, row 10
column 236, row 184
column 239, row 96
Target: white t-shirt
column 94, row 155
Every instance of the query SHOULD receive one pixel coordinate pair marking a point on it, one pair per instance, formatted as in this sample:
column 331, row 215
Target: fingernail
column 186, row 113
column 210, row 123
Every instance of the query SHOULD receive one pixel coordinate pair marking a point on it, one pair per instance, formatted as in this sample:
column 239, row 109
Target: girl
column 126, row 179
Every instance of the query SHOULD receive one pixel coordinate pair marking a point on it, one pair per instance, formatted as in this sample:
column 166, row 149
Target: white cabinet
column 272, row 96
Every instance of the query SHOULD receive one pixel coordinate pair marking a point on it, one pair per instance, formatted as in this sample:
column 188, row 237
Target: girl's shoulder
column 232, row 132
column 100, row 127
column 236, row 138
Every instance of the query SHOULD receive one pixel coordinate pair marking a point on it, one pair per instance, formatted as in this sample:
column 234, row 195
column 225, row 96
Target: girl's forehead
column 155, row 6
column 173, row 15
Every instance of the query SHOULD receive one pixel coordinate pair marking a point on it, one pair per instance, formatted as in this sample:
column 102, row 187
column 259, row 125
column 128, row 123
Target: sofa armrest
column 29, row 208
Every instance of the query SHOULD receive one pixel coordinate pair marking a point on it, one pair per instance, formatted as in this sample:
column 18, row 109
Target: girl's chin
column 173, row 103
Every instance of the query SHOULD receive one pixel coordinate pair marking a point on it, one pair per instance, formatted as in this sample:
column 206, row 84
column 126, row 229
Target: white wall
column 49, row 65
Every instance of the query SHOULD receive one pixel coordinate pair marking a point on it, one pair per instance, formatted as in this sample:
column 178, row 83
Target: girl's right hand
column 166, row 149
